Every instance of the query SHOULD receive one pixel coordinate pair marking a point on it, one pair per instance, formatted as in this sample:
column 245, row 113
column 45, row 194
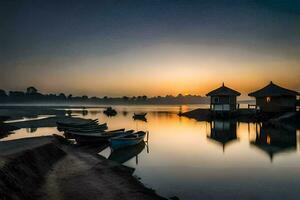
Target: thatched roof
column 273, row 90
column 223, row 91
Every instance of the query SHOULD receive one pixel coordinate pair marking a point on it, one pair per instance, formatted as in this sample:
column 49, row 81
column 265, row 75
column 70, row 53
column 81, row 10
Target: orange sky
column 163, row 69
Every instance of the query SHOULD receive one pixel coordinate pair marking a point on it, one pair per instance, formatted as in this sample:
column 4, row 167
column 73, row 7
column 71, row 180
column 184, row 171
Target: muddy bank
column 244, row 115
column 24, row 163
column 47, row 168
column 19, row 112
column 47, row 122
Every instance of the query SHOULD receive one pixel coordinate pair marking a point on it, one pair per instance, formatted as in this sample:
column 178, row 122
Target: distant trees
column 3, row 93
column 31, row 90
column 3, row 96
column 62, row 96
column 31, row 95
column 125, row 98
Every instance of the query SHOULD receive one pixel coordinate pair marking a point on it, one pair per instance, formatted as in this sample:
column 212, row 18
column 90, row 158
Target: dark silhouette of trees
column 125, row 98
column 31, row 90
column 3, row 93
column 62, row 96
column 33, row 96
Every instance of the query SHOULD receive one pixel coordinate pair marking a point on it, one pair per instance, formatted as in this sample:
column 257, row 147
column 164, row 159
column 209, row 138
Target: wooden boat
column 79, row 124
column 63, row 125
column 93, row 128
column 125, row 154
column 91, row 138
column 110, row 111
column 141, row 117
column 69, row 133
column 127, row 140
column 79, row 132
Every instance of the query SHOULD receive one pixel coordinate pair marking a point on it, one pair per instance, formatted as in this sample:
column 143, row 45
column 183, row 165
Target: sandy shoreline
column 56, row 169
column 69, row 172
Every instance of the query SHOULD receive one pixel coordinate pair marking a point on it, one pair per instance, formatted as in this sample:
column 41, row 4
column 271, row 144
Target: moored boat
column 63, row 125
column 91, row 138
column 69, row 132
column 140, row 116
column 110, row 112
column 93, row 128
column 127, row 140
column 125, row 154
column 137, row 115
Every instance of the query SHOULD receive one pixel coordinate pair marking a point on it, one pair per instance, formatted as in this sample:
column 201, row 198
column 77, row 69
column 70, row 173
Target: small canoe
column 63, row 125
column 127, row 140
column 110, row 112
column 4, row 118
column 125, row 154
column 97, row 128
column 91, row 138
column 79, row 124
column 69, row 134
column 139, row 115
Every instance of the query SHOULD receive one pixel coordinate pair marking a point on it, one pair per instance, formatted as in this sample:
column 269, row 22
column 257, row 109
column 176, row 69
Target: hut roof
column 273, row 90
column 223, row 91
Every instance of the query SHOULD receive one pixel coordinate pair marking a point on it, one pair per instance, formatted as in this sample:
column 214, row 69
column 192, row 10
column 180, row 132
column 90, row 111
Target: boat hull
column 98, row 138
column 118, row 143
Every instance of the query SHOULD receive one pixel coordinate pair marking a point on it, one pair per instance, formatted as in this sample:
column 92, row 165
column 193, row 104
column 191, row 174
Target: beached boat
column 94, row 132
column 78, row 124
column 69, row 133
column 91, row 138
column 92, row 128
column 127, row 140
column 63, row 125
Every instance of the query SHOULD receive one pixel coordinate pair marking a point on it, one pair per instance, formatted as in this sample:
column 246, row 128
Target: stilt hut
column 273, row 98
column 223, row 99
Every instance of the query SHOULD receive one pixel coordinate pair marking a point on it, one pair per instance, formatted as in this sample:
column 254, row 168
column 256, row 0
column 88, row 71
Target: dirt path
column 80, row 175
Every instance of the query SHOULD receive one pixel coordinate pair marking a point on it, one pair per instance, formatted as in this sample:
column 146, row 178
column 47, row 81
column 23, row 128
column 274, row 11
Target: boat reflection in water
column 274, row 140
column 222, row 132
column 125, row 154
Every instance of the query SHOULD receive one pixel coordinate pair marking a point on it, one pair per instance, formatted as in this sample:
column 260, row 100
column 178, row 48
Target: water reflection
column 223, row 132
column 274, row 140
column 186, row 157
column 143, row 119
column 30, row 132
column 125, row 113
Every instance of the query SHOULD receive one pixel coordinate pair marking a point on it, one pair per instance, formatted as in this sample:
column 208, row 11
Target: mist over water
column 194, row 160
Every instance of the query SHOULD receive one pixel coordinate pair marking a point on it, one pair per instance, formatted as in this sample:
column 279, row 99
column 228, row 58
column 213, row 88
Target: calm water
column 193, row 160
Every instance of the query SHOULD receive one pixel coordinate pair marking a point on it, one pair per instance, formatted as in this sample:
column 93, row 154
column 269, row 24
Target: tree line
column 32, row 95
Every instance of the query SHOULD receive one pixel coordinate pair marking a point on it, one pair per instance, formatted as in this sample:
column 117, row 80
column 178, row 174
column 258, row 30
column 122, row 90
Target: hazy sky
column 153, row 47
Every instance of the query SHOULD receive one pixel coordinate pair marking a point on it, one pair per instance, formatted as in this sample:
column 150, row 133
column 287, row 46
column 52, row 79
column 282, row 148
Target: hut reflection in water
column 223, row 132
column 273, row 140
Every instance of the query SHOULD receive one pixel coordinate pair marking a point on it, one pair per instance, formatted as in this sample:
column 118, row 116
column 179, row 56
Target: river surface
column 201, row 160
